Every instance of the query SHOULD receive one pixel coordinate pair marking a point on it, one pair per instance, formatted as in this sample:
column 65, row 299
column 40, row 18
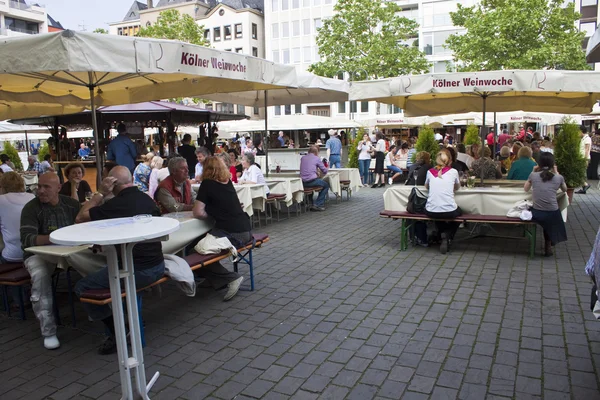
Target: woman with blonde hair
column 75, row 187
column 156, row 164
column 12, row 202
column 141, row 174
column 442, row 181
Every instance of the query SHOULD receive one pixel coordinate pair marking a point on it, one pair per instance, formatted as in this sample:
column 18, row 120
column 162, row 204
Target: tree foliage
column 569, row 161
column 426, row 142
column 101, row 30
column 175, row 26
column 44, row 149
column 365, row 37
column 353, row 148
column 13, row 154
column 472, row 135
column 517, row 34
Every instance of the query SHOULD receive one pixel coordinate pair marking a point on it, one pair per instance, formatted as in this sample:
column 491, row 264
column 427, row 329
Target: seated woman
column 217, row 199
column 521, row 168
column 155, row 165
column 504, row 158
column 457, row 164
column 227, row 160
column 544, row 182
column 486, row 167
column 442, row 181
column 390, row 163
column 252, row 174
column 12, row 201
column 75, row 187
column 233, row 156
column 417, row 175
column 141, row 174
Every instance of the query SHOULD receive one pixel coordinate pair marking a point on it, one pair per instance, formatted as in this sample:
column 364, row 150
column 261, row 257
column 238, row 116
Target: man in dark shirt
column 40, row 217
column 148, row 261
column 188, row 152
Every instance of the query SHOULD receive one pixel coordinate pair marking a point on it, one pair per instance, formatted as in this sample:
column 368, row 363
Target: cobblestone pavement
column 339, row 313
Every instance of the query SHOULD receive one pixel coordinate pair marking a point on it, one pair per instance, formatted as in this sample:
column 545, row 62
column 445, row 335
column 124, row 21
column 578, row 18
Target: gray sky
column 92, row 13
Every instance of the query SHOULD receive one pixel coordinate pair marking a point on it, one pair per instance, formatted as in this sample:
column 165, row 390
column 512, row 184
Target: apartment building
column 589, row 20
column 229, row 25
column 18, row 17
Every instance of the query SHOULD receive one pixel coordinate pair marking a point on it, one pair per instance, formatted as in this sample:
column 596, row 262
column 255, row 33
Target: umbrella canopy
column 398, row 121
column 309, row 88
column 289, row 122
column 573, row 92
column 592, row 53
column 8, row 128
column 540, row 118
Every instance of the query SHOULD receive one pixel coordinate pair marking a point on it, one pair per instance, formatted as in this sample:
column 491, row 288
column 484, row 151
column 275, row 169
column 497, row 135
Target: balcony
column 21, row 8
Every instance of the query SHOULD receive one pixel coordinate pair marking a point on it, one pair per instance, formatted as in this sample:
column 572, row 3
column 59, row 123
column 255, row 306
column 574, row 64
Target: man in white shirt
column 585, row 147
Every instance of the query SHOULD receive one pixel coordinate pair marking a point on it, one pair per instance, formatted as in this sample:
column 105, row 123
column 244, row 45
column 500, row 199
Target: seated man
column 34, row 167
column 176, row 189
column 40, row 217
column 310, row 165
column 148, row 261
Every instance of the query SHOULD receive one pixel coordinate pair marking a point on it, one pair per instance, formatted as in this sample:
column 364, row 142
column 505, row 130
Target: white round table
column 128, row 232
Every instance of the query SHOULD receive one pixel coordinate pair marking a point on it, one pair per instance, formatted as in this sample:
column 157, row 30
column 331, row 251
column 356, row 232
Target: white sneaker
column 232, row 288
column 390, row 181
column 51, row 342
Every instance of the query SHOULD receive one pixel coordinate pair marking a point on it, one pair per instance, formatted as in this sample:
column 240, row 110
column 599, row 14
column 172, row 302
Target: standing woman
column 141, row 174
column 544, row 182
column 379, row 160
column 364, row 158
column 442, row 181
column 75, row 187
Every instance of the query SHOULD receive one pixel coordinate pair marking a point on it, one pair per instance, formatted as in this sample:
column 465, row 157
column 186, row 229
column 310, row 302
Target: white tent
column 540, row 118
column 8, row 128
column 399, row 120
column 288, row 122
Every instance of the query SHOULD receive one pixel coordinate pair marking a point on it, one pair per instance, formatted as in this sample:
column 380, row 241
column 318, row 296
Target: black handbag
column 416, row 201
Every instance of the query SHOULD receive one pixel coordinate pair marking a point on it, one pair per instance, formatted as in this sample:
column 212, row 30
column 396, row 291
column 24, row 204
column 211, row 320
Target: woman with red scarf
column 442, row 181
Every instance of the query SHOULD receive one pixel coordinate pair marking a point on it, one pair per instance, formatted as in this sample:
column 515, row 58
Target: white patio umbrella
column 69, row 71
column 541, row 118
column 289, row 122
column 398, row 120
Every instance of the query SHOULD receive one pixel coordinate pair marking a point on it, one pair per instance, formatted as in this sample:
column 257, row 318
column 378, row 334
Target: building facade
column 19, row 18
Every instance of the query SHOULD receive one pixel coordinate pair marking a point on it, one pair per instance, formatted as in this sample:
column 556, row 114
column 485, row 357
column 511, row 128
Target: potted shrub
column 569, row 161
column 426, row 142
column 352, row 148
column 471, row 135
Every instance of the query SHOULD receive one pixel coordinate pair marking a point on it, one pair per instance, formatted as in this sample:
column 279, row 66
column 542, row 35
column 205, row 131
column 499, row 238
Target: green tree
column 13, row 154
column 101, row 30
column 175, row 26
column 471, row 135
column 517, row 34
column 368, row 38
column 426, row 142
column 353, row 148
column 569, row 161
column 43, row 151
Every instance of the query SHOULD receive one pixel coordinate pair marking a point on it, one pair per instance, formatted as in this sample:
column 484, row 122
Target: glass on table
column 88, row 196
column 177, row 207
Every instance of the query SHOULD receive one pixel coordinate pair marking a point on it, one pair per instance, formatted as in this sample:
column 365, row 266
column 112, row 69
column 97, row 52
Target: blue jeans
column 335, row 161
column 395, row 169
column 322, row 194
column 363, row 168
column 99, row 280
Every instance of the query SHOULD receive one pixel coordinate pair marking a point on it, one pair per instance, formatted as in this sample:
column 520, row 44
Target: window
column 353, row 106
column 120, row 31
column 305, row 3
column 342, row 107
column 238, row 31
column 19, row 25
column 225, row 107
column 318, row 23
column 275, row 57
column 317, row 55
column 306, row 26
column 428, row 43
column 364, row 106
column 255, row 31
column 285, row 29
column 275, row 31
column 255, row 110
column 285, row 5
column 588, row 28
column 397, row 110
column 295, row 3
column 207, row 34
column 286, row 56
column 241, row 109
column 327, row 1
column 227, row 49
column 296, row 55
column 288, row 110
column 298, row 108
column 227, row 32
column 277, row 110
column 274, row 5
column 307, row 52
column 317, row 2
column 217, row 34
column 585, row 3
column 239, row 49
column 254, row 52
column 296, row 28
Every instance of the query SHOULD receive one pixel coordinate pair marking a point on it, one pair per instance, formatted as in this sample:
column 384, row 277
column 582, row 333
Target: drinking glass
column 415, row 175
column 88, row 196
column 471, row 182
column 177, row 207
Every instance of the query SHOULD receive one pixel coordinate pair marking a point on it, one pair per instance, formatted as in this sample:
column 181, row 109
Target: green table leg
column 531, row 233
column 403, row 235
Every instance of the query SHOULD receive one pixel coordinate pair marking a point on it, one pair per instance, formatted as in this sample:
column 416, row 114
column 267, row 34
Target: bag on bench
column 416, row 202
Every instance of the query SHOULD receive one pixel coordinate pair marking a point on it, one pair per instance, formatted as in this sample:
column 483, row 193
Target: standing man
column 281, row 139
column 310, row 165
column 148, row 261
column 188, row 152
column 40, row 217
column 490, row 141
column 122, row 149
column 334, row 150
column 504, row 136
column 585, row 146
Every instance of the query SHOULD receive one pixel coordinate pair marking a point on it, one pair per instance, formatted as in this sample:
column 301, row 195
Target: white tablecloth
column 332, row 177
column 352, row 175
column 291, row 187
column 483, row 201
column 252, row 196
column 190, row 229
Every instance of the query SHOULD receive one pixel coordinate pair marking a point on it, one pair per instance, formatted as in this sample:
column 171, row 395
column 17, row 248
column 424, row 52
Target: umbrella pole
column 27, row 144
column 495, row 136
column 96, row 138
column 483, row 140
column 266, row 145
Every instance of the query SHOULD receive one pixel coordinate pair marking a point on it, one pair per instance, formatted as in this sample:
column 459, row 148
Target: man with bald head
column 40, row 217
column 311, row 167
column 148, row 261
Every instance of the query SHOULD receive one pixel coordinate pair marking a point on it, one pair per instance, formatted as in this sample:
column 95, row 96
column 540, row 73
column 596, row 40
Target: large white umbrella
column 289, row 122
column 399, row 120
column 69, row 71
column 540, row 118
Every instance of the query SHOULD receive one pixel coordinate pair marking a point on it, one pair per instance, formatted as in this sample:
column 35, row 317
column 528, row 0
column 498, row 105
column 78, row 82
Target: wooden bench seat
column 14, row 275
column 404, row 216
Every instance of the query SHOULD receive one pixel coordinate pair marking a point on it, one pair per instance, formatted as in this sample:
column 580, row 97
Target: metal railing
column 22, row 6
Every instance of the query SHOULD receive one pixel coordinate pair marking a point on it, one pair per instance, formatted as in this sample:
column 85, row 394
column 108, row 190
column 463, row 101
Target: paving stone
column 422, row 384
column 258, row 388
